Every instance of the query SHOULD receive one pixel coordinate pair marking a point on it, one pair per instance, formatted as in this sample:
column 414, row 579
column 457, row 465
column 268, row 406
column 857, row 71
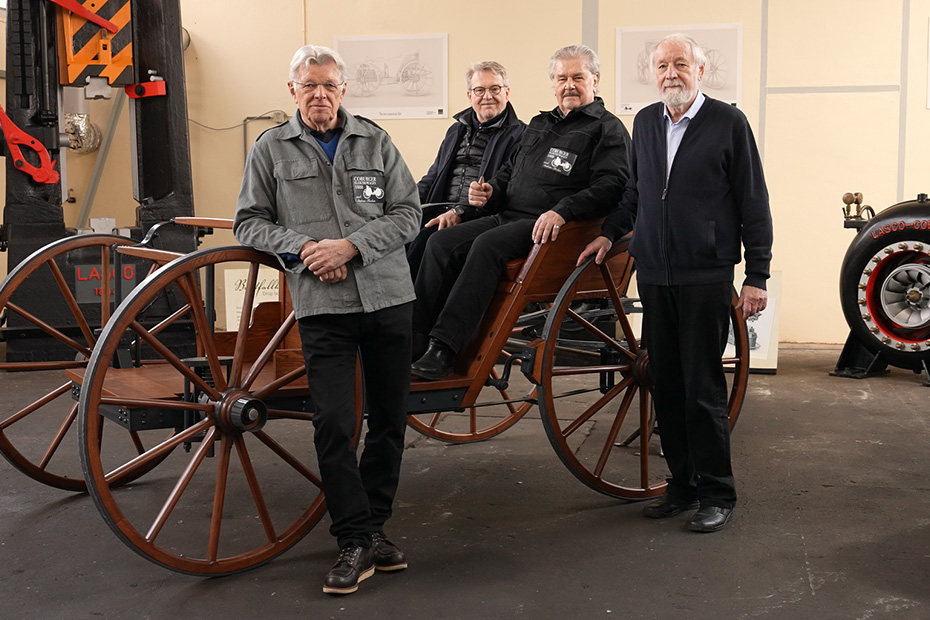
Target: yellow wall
column 822, row 86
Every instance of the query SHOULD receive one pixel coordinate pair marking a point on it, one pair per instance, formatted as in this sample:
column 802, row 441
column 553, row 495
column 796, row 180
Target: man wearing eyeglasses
column 329, row 195
column 571, row 164
column 475, row 146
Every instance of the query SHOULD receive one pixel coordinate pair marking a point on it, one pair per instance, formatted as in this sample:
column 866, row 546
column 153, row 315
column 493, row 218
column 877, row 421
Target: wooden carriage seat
column 536, row 278
column 512, row 269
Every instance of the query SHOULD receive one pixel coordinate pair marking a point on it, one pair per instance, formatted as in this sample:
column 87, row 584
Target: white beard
column 677, row 98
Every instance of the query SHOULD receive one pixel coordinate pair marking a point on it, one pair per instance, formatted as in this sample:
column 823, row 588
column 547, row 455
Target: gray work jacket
column 291, row 194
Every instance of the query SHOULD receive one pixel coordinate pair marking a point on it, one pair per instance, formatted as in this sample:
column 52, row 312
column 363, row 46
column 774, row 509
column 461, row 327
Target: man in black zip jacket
column 696, row 192
column 571, row 164
column 480, row 140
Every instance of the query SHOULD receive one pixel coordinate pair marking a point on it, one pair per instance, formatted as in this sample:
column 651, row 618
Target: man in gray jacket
column 331, row 197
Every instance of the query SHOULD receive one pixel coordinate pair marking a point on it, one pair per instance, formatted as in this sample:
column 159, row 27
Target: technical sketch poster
column 401, row 76
column 636, row 80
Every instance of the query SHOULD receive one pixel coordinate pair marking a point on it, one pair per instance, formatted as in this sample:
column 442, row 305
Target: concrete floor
column 833, row 522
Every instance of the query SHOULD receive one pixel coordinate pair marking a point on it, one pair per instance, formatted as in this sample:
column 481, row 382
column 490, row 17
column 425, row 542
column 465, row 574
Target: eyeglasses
column 479, row 91
column 311, row 87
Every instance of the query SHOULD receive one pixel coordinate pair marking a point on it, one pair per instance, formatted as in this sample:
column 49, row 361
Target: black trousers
column 685, row 331
column 417, row 247
column 458, row 276
column 359, row 492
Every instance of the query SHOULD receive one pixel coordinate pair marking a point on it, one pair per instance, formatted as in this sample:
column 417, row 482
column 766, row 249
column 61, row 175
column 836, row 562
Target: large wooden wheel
column 65, row 272
column 235, row 482
column 594, row 395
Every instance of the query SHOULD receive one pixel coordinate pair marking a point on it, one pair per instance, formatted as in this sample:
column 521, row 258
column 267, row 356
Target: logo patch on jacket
column 560, row 161
column 368, row 187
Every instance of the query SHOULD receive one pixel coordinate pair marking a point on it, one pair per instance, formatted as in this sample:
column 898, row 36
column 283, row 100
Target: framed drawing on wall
column 636, row 84
column 396, row 76
column 763, row 330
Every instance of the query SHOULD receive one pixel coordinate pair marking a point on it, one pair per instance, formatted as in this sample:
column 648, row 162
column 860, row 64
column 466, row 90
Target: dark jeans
column 685, row 332
column 359, row 492
column 461, row 268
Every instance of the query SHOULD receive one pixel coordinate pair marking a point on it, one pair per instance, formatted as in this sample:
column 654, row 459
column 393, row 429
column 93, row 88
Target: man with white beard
column 696, row 192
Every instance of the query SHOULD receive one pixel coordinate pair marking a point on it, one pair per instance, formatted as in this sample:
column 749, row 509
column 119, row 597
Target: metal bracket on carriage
column 503, row 382
column 144, row 248
column 531, row 360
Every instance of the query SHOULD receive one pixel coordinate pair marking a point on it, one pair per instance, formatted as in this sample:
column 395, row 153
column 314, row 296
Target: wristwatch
column 459, row 210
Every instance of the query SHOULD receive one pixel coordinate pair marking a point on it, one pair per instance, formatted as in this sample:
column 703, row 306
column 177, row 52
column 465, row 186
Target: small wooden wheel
column 235, row 482
column 494, row 412
column 594, row 395
column 66, row 272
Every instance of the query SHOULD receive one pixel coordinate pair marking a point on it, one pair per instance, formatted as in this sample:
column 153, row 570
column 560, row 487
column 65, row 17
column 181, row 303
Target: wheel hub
column 905, row 295
column 641, row 369
column 239, row 411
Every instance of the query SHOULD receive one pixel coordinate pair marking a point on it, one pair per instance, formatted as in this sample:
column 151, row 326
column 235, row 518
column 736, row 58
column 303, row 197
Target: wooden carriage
column 196, row 443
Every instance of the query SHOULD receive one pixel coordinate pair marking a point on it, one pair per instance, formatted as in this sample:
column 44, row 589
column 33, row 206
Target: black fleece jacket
column 576, row 165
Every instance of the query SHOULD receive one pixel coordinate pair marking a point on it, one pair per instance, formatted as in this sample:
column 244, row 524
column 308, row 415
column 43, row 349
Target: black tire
column 885, row 284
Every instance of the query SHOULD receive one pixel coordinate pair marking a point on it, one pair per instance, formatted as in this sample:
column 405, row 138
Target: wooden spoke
column 606, row 339
column 205, row 446
column 72, row 303
column 175, row 361
column 278, row 383
column 15, row 367
column 281, row 414
column 58, row 438
column 614, row 431
column 157, row 452
column 219, row 498
column 22, row 413
column 598, row 406
column 245, row 320
column 255, row 489
column 289, row 458
column 204, row 330
column 266, row 355
column 154, row 402
column 170, row 320
column 48, row 329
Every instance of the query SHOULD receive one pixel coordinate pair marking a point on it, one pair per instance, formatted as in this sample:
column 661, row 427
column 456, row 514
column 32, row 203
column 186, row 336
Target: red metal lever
column 78, row 9
column 15, row 136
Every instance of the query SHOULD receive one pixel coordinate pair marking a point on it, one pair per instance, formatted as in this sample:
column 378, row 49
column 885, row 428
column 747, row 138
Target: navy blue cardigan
column 689, row 231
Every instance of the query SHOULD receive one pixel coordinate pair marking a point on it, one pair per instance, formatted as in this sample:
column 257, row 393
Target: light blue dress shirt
column 674, row 132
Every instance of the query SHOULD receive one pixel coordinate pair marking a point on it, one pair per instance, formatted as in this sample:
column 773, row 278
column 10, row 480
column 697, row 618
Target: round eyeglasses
column 479, row 91
column 312, row 86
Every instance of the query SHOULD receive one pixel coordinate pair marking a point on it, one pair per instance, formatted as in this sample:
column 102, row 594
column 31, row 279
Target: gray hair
column 697, row 52
column 486, row 65
column 317, row 55
column 576, row 51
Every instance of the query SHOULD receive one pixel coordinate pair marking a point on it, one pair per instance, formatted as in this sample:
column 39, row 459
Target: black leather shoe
column 387, row 556
column 355, row 564
column 665, row 507
column 710, row 519
column 436, row 363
